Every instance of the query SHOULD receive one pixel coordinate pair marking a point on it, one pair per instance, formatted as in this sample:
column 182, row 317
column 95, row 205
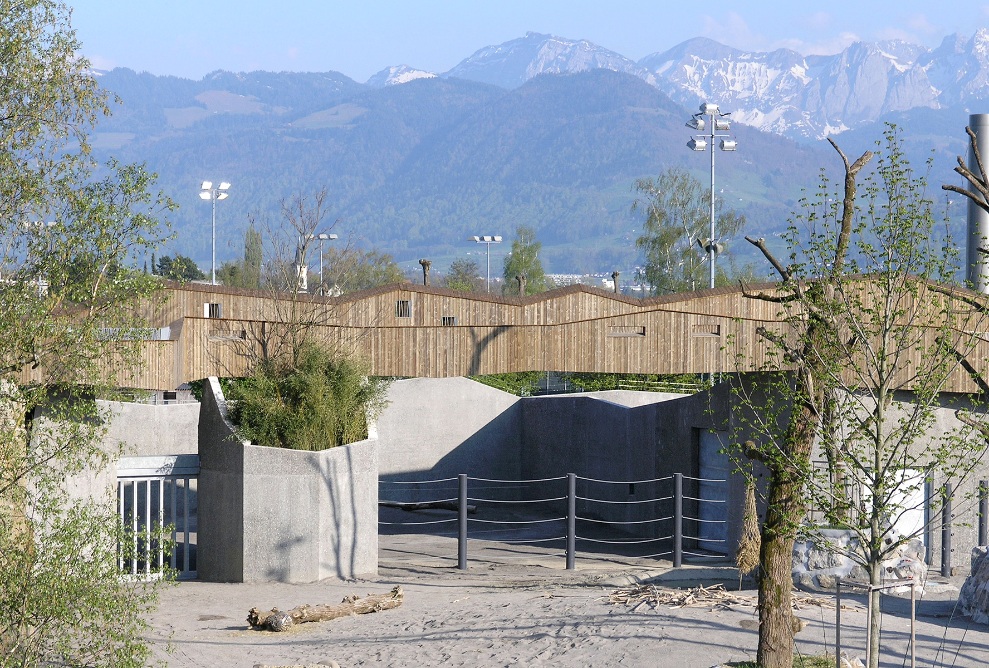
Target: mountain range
column 541, row 131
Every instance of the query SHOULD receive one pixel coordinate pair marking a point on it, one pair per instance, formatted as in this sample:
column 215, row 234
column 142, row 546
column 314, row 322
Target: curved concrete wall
column 271, row 514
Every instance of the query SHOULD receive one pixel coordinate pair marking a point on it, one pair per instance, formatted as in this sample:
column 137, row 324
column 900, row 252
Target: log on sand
column 277, row 620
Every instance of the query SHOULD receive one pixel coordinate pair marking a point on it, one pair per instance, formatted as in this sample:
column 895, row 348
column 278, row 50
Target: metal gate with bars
column 157, row 502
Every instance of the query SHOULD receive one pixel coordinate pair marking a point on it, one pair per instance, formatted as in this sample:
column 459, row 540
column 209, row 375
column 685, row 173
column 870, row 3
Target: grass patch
column 798, row 662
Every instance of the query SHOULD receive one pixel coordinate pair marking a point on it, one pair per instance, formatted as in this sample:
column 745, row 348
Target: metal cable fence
column 559, row 517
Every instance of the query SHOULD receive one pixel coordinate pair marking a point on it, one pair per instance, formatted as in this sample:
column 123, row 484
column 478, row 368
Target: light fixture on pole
column 716, row 122
column 486, row 240
column 207, row 191
column 322, row 236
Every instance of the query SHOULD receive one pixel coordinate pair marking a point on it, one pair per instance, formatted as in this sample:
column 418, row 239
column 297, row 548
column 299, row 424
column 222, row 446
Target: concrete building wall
column 441, row 427
column 146, row 430
column 271, row 514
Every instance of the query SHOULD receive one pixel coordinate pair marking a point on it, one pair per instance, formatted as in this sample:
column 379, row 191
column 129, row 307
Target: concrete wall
column 439, row 428
column 270, row 514
column 138, row 430
column 147, row 430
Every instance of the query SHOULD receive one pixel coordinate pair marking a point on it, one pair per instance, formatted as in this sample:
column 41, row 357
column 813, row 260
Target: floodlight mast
column 323, row 236
column 717, row 122
column 487, row 240
column 207, row 191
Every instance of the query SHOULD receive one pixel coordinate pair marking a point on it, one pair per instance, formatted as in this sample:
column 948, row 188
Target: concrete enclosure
column 270, row 514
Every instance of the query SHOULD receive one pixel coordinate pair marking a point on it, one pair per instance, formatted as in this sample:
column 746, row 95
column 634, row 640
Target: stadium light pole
column 322, row 236
column 487, row 240
column 717, row 122
column 207, row 191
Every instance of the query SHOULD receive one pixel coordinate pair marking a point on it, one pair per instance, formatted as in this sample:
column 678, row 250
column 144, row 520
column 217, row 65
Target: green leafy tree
column 244, row 273
column 523, row 261
column 464, row 276
column 325, row 399
column 178, row 268
column 872, row 335
column 351, row 269
column 66, row 308
column 678, row 216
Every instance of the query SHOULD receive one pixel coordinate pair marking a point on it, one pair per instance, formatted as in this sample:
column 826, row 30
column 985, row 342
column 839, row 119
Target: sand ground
column 531, row 613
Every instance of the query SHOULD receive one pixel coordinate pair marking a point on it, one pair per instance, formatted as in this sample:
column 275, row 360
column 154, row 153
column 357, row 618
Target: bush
column 325, row 400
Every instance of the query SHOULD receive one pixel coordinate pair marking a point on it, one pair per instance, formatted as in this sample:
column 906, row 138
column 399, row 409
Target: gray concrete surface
column 146, row 430
column 271, row 514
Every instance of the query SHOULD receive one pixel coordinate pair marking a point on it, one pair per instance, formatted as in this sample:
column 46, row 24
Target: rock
column 820, row 560
column 973, row 599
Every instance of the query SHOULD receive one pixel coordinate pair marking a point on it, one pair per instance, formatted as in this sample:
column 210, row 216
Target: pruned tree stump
column 278, row 620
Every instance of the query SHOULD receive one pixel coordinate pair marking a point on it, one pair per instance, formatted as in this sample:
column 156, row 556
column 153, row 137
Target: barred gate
column 157, row 503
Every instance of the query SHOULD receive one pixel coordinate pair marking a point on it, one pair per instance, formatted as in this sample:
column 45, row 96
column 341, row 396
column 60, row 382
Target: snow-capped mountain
column 397, row 74
column 511, row 64
column 779, row 91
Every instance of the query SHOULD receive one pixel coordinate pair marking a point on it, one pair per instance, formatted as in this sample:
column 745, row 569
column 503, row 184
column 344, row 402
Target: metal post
column 946, row 532
column 487, row 281
column 868, row 620
column 913, row 624
column 462, row 516
column 928, row 522
column 983, row 511
column 677, row 520
column 837, row 623
column 711, row 245
column 321, row 264
column 212, row 267
column 571, row 520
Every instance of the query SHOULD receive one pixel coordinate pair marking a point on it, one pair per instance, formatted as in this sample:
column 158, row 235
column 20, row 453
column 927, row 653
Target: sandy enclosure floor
column 525, row 615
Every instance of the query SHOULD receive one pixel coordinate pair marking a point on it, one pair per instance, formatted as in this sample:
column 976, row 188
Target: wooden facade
column 407, row 330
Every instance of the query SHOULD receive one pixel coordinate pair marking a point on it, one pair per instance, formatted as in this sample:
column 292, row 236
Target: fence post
column 946, row 531
column 837, row 622
column 983, row 511
column 677, row 520
column 571, row 520
column 462, row 517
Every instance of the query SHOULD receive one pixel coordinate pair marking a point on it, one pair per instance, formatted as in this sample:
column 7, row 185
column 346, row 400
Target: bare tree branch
column 847, row 206
column 760, row 243
column 977, row 181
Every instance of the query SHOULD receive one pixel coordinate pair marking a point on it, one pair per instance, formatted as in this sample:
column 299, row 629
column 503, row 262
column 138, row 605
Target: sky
column 190, row 38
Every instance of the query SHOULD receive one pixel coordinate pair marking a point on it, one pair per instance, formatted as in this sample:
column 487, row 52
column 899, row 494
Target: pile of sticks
column 715, row 597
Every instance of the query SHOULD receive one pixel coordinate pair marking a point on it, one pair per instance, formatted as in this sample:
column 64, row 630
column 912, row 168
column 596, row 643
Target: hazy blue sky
column 361, row 37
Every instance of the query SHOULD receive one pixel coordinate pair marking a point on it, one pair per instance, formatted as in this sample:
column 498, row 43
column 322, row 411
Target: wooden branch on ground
column 425, row 505
column 276, row 620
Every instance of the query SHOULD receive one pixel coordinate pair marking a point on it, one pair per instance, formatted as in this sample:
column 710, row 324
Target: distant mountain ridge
column 804, row 97
column 540, row 131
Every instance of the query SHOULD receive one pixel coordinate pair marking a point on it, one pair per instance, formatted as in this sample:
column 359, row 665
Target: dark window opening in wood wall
column 449, row 320
column 627, row 330
column 403, row 308
column 707, row 329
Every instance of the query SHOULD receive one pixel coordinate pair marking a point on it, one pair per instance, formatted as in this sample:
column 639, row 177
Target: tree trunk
column 785, row 509
column 776, row 580
column 875, row 578
column 276, row 620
